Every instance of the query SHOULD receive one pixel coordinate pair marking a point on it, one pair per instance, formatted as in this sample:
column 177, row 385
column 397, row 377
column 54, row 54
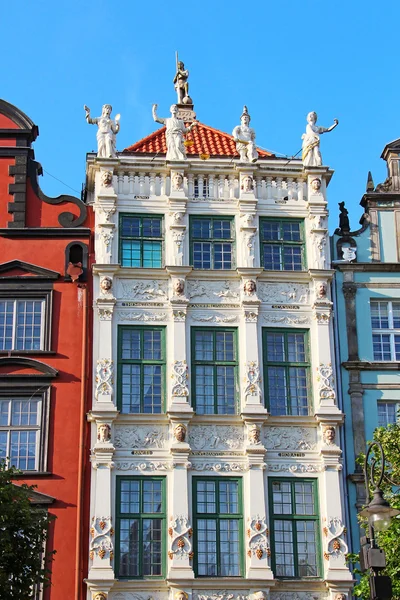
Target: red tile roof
column 207, row 140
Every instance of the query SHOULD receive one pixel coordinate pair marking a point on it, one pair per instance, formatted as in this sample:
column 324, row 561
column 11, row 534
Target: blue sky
column 281, row 58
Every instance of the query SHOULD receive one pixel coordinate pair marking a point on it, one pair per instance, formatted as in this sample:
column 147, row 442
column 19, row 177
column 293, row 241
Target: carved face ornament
column 179, row 287
column 106, row 178
column 254, row 434
column 177, row 181
column 321, row 290
column 181, row 595
column 250, row 287
column 247, row 184
column 100, row 596
column 316, row 184
column 180, row 433
column 329, row 435
column 106, row 284
column 103, row 432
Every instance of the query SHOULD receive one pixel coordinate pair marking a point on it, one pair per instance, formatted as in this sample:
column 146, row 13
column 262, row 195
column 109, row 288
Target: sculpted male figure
column 245, row 137
column 175, row 130
column 107, row 131
column 181, row 83
column 311, row 154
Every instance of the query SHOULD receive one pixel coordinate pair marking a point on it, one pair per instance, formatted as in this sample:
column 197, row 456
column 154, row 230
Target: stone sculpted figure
column 311, row 155
column 245, row 137
column 107, row 131
column 344, row 222
column 181, row 83
column 175, row 130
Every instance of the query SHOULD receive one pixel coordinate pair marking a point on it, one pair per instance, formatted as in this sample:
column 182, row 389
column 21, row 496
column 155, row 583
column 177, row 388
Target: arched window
column 76, row 256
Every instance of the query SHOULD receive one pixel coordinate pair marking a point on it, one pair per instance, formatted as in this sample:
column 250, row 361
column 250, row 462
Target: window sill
column 27, row 352
column 27, row 474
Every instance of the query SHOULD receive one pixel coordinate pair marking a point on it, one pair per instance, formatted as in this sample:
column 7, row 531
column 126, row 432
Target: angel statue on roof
column 175, row 130
column 107, row 131
column 311, row 155
column 245, row 137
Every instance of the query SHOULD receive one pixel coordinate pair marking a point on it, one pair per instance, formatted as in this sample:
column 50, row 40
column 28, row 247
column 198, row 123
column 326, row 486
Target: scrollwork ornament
column 104, row 377
column 334, row 533
column 257, row 534
column 253, row 379
column 180, row 533
column 180, row 376
column 101, row 533
column 326, row 382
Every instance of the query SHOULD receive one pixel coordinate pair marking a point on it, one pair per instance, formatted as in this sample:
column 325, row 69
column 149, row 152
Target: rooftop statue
column 107, row 131
column 245, row 137
column 181, row 83
column 175, row 130
column 311, row 154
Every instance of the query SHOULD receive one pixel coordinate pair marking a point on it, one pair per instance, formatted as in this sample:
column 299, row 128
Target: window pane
column 3, row 445
column 229, row 548
column 206, row 497
column 207, row 547
column 222, row 256
column 296, row 347
column 131, row 343
column 29, row 320
column 129, row 548
column 224, row 342
column 204, row 385
column 23, row 450
column 130, row 388
column 6, row 324
column 151, row 255
column 381, row 346
column 270, row 230
column 306, row 548
column 226, row 390
column 298, row 391
column 152, row 496
column 151, row 227
column 151, row 345
column 202, row 255
column 397, row 347
column 131, row 254
column 201, row 228
column 130, row 226
column 152, row 388
column 222, row 230
column 130, row 496
column 396, row 314
column 24, row 412
column 282, row 499
column 292, row 258
column 379, row 315
column 387, row 413
column 272, row 257
column 277, row 390
column 204, row 345
column 304, row 498
column 152, row 547
column 284, row 550
column 5, row 412
column 229, row 497
column 275, row 347
column 291, row 232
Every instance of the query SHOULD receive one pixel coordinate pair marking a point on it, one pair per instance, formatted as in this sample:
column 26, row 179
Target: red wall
column 68, row 432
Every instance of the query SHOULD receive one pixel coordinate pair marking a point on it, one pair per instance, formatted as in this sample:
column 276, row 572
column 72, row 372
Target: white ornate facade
column 180, row 446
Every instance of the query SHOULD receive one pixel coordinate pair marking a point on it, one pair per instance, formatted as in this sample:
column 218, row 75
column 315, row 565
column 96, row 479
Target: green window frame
column 282, row 244
column 286, row 358
column 218, row 526
column 215, row 367
column 141, row 369
column 212, row 242
column 141, row 241
column 295, row 527
column 141, row 523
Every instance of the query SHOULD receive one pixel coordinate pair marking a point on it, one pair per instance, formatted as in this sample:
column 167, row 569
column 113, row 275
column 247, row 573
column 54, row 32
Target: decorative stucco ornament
column 311, row 155
column 180, row 533
column 177, row 182
column 180, row 432
column 257, row 534
column 245, row 137
column 103, row 433
column 175, row 130
column 104, row 377
column 253, row 379
column 329, row 434
column 107, row 131
column 181, row 377
column 250, row 287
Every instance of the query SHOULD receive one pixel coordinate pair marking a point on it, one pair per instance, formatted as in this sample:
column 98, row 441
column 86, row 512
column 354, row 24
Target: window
column 388, row 413
column 286, row 371
column 20, row 431
column 211, row 242
column 141, row 525
column 141, row 369
column 218, row 524
column 201, row 188
column 141, row 241
column 294, row 523
column 385, row 321
column 21, row 324
column 214, row 365
column 282, row 244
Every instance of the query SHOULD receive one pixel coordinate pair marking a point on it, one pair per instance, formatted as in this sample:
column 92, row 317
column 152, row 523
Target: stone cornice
column 365, row 267
column 361, row 365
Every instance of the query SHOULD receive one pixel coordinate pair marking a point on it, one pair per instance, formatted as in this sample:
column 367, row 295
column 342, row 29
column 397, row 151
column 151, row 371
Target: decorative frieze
column 140, row 436
column 149, row 466
column 101, row 533
column 140, row 291
column 219, row 595
column 105, row 314
column 294, row 468
column 215, row 437
column 217, row 292
column 286, row 319
column 296, row 595
column 226, row 467
column 214, row 318
column 290, row 438
column 179, row 316
column 104, row 377
column 147, row 317
column 284, row 293
column 180, row 377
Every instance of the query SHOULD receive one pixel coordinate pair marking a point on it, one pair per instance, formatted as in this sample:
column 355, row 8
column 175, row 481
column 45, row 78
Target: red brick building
column 45, row 346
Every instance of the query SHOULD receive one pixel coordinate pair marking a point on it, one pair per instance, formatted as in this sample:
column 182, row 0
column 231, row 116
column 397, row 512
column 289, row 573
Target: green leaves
column 24, row 562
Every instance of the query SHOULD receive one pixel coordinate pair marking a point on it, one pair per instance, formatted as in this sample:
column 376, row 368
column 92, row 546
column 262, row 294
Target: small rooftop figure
column 181, row 83
column 311, row 154
column 245, row 137
column 107, row 131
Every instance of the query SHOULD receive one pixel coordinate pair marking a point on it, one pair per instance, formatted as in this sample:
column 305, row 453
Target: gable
column 17, row 269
